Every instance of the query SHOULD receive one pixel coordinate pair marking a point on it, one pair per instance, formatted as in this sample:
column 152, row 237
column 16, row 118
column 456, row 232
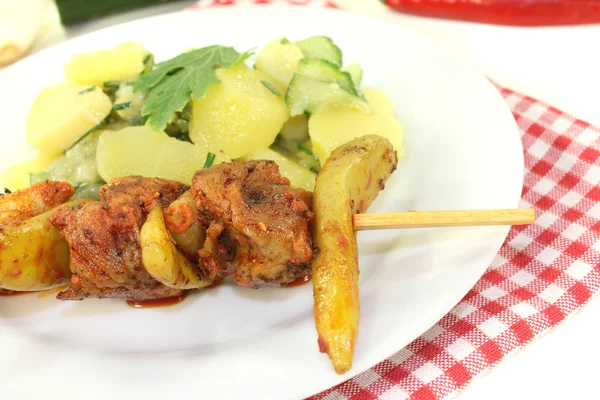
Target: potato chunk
column 33, row 255
column 279, row 59
column 299, row 176
column 238, row 116
column 379, row 103
column 162, row 260
column 332, row 128
column 17, row 177
column 348, row 183
column 141, row 151
column 63, row 113
column 121, row 63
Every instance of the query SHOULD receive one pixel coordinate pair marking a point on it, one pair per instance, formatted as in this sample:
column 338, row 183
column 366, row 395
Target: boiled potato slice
column 349, row 181
column 162, row 260
column 141, row 151
column 299, row 176
column 379, row 103
column 121, row 63
column 279, row 59
column 238, row 116
column 33, row 255
column 332, row 128
column 63, row 113
column 17, row 177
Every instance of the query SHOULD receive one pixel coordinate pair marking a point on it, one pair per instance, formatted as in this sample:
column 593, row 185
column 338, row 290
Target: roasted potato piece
column 32, row 201
column 349, row 181
column 33, row 255
column 181, row 219
column 161, row 258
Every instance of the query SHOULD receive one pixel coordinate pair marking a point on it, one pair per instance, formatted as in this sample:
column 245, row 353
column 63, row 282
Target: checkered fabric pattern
column 542, row 274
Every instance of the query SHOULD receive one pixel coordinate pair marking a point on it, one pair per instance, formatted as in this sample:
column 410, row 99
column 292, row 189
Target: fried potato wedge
column 350, row 180
column 161, row 258
column 33, row 255
column 34, row 200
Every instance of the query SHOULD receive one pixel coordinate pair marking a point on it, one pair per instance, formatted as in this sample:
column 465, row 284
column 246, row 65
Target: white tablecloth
column 560, row 66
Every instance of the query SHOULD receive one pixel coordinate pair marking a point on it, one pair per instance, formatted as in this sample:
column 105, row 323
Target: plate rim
column 286, row 8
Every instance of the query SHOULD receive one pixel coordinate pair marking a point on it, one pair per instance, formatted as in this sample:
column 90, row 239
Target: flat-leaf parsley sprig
column 171, row 82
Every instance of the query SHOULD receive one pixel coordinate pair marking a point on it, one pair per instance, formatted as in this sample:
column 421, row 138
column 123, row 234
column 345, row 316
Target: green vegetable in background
column 171, row 82
column 76, row 11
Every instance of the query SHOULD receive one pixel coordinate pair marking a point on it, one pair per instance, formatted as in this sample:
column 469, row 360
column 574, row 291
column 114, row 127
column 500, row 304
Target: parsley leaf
column 171, row 82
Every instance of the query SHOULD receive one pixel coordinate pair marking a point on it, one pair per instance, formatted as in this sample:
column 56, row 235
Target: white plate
column 462, row 151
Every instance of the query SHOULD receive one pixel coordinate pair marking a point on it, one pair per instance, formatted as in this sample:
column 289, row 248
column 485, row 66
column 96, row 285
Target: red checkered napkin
column 542, row 274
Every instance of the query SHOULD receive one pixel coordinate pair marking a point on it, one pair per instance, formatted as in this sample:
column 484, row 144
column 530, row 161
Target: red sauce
column 169, row 301
column 11, row 293
column 300, row 281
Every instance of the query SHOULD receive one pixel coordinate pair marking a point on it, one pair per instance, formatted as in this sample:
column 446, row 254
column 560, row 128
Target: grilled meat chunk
column 104, row 240
column 35, row 200
column 258, row 229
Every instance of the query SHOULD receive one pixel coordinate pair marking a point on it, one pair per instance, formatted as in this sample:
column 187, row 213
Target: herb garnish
column 210, row 159
column 87, row 90
column 272, row 88
column 122, row 106
column 171, row 82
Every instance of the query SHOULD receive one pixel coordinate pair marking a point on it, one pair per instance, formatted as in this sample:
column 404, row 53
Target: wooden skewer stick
column 436, row 219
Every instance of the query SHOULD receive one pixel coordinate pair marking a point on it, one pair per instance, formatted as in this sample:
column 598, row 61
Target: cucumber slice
column 295, row 129
column 356, row 72
column 326, row 71
column 308, row 95
column 321, row 47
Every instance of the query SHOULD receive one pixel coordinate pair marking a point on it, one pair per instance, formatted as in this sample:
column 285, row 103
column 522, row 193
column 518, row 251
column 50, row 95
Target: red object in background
column 505, row 12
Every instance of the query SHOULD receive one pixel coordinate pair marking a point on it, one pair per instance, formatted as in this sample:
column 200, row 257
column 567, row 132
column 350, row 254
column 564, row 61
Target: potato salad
column 119, row 113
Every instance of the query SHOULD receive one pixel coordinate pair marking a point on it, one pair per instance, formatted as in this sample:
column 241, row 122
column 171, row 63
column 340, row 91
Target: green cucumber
column 77, row 166
column 321, row 47
column 356, row 72
column 326, row 71
column 295, row 130
column 308, row 95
